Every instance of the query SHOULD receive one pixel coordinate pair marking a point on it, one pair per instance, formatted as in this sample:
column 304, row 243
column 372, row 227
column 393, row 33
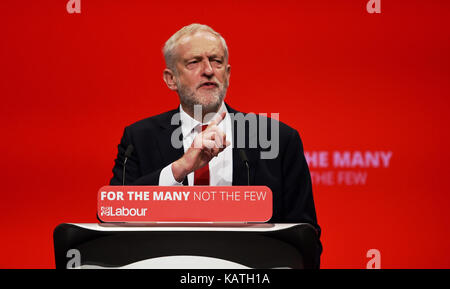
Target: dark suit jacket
column 287, row 175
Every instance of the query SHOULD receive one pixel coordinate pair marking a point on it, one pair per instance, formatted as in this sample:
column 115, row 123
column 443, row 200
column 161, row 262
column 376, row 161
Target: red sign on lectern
column 184, row 204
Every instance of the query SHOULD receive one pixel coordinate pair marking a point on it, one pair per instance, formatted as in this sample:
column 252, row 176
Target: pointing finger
column 218, row 118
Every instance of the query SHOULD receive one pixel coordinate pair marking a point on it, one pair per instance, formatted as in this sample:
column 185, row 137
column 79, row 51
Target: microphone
column 244, row 158
column 128, row 152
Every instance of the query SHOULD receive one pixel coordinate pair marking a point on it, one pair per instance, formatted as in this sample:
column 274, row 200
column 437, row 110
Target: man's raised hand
column 206, row 145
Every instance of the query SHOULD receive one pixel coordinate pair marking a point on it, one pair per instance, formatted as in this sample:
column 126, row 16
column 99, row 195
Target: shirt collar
column 188, row 123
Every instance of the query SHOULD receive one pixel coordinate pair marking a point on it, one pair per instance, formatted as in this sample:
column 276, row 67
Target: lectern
column 187, row 245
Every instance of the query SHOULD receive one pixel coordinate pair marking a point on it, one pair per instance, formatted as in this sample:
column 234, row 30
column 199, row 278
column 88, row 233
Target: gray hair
column 169, row 46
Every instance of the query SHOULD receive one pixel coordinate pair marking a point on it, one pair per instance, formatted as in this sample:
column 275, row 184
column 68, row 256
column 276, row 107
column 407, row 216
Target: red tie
column 201, row 176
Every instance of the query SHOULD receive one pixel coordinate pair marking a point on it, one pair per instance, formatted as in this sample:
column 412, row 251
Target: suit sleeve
column 298, row 202
column 133, row 174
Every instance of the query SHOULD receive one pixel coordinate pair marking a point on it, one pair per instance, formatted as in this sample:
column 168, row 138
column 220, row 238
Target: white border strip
column 264, row 227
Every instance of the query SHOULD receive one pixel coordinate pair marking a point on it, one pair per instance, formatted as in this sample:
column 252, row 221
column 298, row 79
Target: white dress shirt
column 220, row 167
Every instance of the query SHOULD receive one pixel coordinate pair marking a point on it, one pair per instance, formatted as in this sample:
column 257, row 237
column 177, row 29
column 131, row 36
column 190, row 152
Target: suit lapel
column 239, row 167
column 169, row 153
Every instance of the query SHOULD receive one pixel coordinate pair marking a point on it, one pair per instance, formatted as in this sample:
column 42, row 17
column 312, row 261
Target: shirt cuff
column 166, row 177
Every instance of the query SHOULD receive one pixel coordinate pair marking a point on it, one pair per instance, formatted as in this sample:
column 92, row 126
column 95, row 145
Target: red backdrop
column 347, row 80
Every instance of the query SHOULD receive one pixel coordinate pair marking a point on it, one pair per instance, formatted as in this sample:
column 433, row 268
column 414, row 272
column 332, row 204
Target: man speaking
column 206, row 142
